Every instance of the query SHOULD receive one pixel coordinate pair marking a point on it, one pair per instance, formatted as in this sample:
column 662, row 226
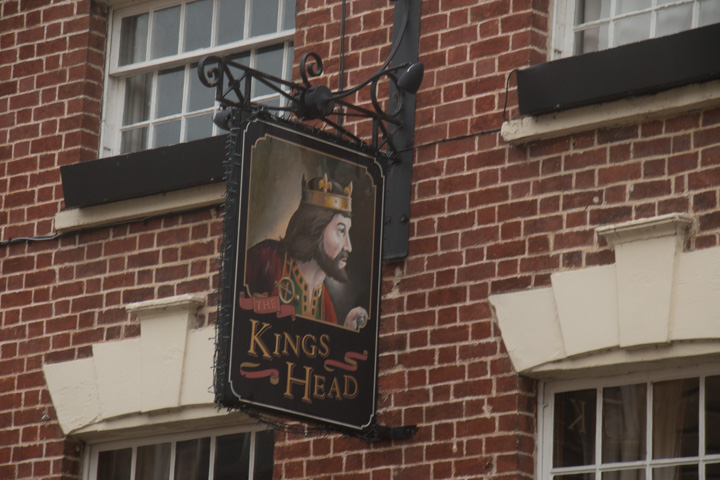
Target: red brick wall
column 486, row 218
column 51, row 74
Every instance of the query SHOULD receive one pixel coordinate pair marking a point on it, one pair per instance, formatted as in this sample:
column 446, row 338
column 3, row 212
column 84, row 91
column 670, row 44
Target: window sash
column 182, row 58
column 94, row 450
column 151, row 131
column 546, row 422
column 566, row 28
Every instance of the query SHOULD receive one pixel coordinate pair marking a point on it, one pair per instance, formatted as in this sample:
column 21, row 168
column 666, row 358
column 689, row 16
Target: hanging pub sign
column 299, row 316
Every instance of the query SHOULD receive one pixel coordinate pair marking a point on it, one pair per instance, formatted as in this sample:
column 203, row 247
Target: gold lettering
column 263, row 304
column 319, row 388
column 300, row 381
column 349, row 379
column 293, row 347
column 334, row 391
column 276, row 352
column 256, row 340
column 324, row 349
column 309, row 350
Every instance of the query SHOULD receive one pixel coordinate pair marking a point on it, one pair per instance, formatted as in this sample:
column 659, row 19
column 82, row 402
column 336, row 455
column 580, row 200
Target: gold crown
column 320, row 192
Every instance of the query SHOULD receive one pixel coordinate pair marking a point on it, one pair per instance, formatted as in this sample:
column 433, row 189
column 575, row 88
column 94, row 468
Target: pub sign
column 299, row 316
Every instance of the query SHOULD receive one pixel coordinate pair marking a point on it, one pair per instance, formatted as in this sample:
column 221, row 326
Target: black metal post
column 397, row 197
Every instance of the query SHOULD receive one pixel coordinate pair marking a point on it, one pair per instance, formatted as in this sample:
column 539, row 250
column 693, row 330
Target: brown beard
column 331, row 266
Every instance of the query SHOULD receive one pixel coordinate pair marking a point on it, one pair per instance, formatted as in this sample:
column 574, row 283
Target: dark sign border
column 271, row 362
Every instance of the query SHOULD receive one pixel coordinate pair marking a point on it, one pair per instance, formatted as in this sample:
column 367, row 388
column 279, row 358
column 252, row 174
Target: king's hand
column 356, row 318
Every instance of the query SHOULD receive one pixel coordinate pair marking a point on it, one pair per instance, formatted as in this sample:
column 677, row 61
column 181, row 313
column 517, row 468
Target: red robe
column 264, row 269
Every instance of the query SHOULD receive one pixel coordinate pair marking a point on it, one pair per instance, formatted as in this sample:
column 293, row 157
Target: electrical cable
column 11, row 241
column 484, row 132
column 507, row 89
column 452, row 139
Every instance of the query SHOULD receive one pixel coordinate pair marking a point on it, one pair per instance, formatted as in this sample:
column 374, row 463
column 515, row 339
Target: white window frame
column 113, row 99
column 546, row 393
column 563, row 33
column 92, row 452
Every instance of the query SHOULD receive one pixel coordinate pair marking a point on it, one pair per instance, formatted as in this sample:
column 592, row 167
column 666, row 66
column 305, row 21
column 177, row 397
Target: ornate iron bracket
column 310, row 102
column 392, row 127
column 233, row 88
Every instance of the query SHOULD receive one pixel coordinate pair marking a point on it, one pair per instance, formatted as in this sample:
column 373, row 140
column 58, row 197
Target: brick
column 526, row 208
column 603, row 216
column 17, row 264
column 506, row 249
column 446, row 296
column 586, row 159
column 654, row 147
column 650, row 189
column 706, row 137
column 705, row 201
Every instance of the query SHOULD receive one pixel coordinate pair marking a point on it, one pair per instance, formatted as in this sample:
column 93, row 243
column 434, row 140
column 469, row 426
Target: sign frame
column 276, row 353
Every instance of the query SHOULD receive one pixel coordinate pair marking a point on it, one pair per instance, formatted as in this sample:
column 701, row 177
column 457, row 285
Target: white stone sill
column 139, row 208
column 612, row 114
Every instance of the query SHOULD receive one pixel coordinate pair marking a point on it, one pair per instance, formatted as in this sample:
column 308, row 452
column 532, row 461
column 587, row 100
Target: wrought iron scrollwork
column 233, row 82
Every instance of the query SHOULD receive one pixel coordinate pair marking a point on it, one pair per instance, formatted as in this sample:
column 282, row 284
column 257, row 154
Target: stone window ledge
column 139, row 208
column 612, row 114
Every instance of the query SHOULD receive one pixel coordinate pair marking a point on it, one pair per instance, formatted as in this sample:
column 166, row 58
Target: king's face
column 336, row 239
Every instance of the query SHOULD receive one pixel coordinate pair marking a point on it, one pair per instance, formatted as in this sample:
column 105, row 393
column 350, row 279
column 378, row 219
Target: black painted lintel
column 143, row 173
column 640, row 68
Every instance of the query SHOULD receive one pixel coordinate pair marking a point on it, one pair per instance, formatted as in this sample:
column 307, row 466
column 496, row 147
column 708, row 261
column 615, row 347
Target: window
column 154, row 97
column 204, row 456
column 584, row 26
column 644, row 427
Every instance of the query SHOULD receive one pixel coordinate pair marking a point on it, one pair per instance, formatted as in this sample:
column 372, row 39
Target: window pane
column 192, row 459
column 591, row 39
column 289, row 62
column 709, row 12
column 632, row 29
column 198, row 25
column 712, row 415
column 244, row 59
column 624, row 475
column 264, row 448
column 133, row 140
column 137, row 99
column 232, row 457
column 133, row 39
column 289, row 15
column 712, row 472
column 114, row 464
column 231, row 21
column 167, row 133
column 271, row 102
column 682, row 472
column 153, row 462
column 623, row 424
column 199, row 96
column 165, row 32
column 199, row 126
column 263, row 17
column 574, row 428
column 627, row 6
column 170, row 92
column 591, row 10
column 673, row 20
column 268, row 60
column 575, row 476
column 675, row 418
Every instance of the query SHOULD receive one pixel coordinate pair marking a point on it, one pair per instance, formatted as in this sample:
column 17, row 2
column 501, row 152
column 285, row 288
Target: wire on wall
column 12, row 241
